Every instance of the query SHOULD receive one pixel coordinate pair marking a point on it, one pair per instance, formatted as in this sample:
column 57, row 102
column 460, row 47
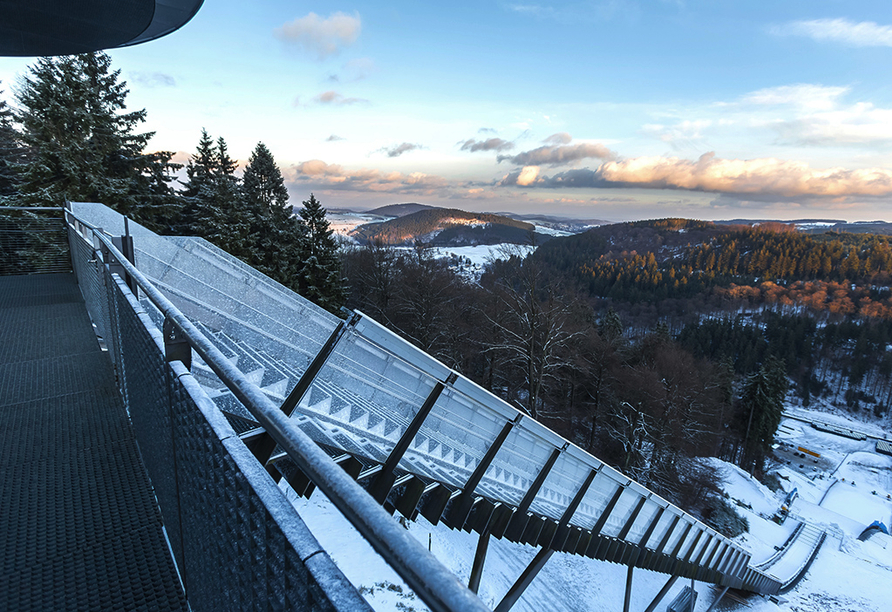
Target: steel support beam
column 263, row 446
column 306, row 379
column 519, row 520
column 602, row 520
column 668, row 535
column 717, row 600
column 461, row 507
column 479, row 559
column 384, row 481
column 628, row 598
column 628, row 526
column 524, row 581
column 650, row 528
column 653, row 605
column 563, row 527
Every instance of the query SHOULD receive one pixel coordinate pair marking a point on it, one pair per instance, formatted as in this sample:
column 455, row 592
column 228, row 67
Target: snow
column 568, row 583
column 816, row 225
column 476, row 257
column 846, row 575
column 551, row 231
column 343, row 223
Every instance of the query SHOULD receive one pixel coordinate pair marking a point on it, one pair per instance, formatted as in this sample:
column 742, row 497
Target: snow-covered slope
column 847, row 575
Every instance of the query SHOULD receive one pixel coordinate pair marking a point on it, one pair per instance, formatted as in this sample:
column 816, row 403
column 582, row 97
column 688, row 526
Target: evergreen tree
column 158, row 206
column 264, row 186
column 225, row 196
column 320, row 276
column 762, row 403
column 275, row 235
column 82, row 142
column 11, row 153
column 199, row 217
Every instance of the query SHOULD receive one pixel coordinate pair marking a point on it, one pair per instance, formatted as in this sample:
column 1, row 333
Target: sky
column 603, row 109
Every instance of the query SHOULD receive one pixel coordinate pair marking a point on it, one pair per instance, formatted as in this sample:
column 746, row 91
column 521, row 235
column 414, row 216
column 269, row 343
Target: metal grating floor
column 79, row 527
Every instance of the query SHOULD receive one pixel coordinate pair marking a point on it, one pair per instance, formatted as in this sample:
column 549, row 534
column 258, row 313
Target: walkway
column 79, row 527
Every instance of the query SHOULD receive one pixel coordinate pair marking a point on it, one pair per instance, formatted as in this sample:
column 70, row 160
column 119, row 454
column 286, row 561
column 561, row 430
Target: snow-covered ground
column 842, row 492
column 345, row 222
column 471, row 260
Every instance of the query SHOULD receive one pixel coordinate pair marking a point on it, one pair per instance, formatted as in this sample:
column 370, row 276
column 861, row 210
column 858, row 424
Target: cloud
column 799, row 114
column 334, row 98
column 858, row 125
column 322, row 37
column 558, row 155
column 490, row 144
column 821, row 118
column 397, row 150
column 801, row 95
column 561, row 138
column 711, row 174
column 318, row 174
column 153, row 79
column 854, row 34
column 681, row 135
column 334, row 138
column 486, row 130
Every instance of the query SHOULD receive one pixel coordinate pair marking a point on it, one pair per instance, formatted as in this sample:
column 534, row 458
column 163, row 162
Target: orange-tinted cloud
column 318, row 174
column 712, row 174
column 321, row 36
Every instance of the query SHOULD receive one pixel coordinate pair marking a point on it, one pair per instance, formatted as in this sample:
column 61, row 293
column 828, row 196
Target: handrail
column 34, row 208
column 434, row 584
column 803, row 569
column 767, row 563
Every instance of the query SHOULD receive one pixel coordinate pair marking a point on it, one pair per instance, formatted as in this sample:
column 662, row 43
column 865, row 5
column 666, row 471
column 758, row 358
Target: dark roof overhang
column 62, row 27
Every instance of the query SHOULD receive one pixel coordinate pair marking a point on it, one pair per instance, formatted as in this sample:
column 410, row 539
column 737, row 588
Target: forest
column 650, row 344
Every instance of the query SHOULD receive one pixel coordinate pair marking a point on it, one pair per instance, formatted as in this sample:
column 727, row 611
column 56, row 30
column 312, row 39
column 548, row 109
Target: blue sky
column 614, row 109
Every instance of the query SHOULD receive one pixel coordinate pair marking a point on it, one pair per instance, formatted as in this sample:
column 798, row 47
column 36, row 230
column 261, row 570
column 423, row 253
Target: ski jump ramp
column 417, row 436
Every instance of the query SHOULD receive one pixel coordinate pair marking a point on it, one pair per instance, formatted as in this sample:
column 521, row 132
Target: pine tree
column 264, row 186
column 158, row 205
column 225, row 196
column 320, row 275
column 275, row 235
column 762, row 402
column 11, row 154
column 82, row 142
column 199, row 217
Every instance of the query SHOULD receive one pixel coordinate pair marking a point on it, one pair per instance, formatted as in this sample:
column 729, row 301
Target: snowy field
column 841, row 492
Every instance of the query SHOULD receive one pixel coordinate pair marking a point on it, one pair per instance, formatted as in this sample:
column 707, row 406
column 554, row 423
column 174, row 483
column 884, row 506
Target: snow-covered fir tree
column 82, row 142
column 275, row 234
column 320, row 276
column 11, row 153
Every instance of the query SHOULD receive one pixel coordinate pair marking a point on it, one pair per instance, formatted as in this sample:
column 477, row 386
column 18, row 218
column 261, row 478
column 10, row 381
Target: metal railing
column 33, row 240
column 432, row 582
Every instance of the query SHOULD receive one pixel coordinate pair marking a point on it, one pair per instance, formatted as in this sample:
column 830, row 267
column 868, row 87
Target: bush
column 724, row 518
column 772, row 481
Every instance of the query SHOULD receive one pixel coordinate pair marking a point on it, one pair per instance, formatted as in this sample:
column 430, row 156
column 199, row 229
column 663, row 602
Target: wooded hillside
column 448, row 227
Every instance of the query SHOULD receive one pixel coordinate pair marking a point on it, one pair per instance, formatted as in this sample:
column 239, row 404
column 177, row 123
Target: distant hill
column 447, row 227
column 400, row 210
column 819, row 226
column 566, row 224
column 649, row 261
